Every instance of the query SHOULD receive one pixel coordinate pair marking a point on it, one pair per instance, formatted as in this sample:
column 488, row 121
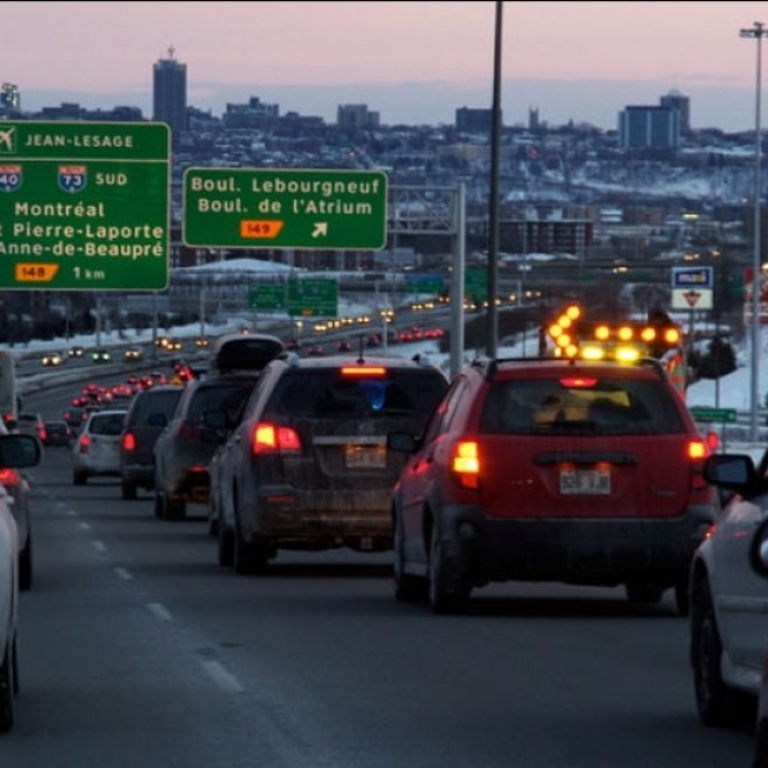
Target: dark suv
column 207, row 409
column 580, row 472
column 307, row 467
column 149, row 414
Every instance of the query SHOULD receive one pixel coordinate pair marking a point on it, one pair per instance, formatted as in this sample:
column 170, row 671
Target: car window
column 609, row 407
column 108, row 424
column 329, row 394
column 230, row 399
column 156, row 409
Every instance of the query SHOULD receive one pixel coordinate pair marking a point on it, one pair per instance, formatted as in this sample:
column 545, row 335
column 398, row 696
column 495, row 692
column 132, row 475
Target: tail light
column 129, row 441
column 273, row 438
column 697, row 451
column 84, row 443
column 9, row 477
column 187, row 431
column 465, row 463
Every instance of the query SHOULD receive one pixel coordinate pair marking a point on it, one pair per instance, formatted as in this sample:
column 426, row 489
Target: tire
column 173, row 509
column 158, row 505
column 8, row 687
column 760, row 752
column 248, row 557
column 79, row 478
column 682, row 597
column 717, row 703
column 25, row 565
column 128, row 491
column 444, row 597
column 407, row 588
column 226, row 545
column 639, row 592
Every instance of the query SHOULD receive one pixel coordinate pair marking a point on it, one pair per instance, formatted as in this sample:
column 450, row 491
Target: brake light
column 273, row 438
column 578, row 382
column 363, row 370
column 9, row 477
column 84, row 444
column 129, row 441
column 465, row 463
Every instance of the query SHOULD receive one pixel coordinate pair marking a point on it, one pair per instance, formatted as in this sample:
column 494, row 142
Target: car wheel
column 248, row 556
column 7, row 687
column 640, row 592
column 128, row 491
column 443, row 596
column 158, row 504
column 718, row 704
column 682, row 597
column 173, row 509
column 25, row 565
column 760, row 753
column 226, row 545
column 407, row 588
column 79, row 478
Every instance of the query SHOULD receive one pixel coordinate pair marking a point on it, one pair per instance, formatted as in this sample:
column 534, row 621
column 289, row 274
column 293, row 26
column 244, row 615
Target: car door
column 740, row 592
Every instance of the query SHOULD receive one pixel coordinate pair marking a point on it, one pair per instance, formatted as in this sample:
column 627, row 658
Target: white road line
column 160, row 612
column 225, row 680
column 123, row 574
column 100, row 547
column 85, row 526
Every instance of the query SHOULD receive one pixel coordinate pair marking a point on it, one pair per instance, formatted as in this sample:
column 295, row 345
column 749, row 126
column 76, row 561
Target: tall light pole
column 758, row 31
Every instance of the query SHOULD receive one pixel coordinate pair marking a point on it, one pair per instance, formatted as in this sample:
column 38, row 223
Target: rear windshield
column 329, row 394
column 107, row 424
column 154, row 408
column 229, row 399
column 245, row 354
column 608, row 407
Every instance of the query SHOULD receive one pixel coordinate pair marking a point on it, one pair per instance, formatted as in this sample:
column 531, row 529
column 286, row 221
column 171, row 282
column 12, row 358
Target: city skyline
column 413, row 63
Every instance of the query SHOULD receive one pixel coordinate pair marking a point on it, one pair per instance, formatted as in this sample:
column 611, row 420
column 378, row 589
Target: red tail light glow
column 465, row 463
column 129, row 441
column 273, row 438
column 363, row 370
column 9, row 477
column 84, row 443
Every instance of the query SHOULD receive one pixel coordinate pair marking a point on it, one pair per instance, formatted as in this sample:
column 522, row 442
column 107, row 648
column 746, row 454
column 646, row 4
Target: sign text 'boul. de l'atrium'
column 285, row 208
column 84, row 205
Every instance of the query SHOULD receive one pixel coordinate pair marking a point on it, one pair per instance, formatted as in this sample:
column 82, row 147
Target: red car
column 552, row 469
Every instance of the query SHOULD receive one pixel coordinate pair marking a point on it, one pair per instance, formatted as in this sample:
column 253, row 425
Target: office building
column 649, row 128
column 170, row 93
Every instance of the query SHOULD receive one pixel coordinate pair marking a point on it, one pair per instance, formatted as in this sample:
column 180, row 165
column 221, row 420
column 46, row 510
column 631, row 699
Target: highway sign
column 84, row 206
column 285, row 208
column 697, row 278
column 476, row 284
column 430, row 284
column 718, row 415
column 267, row 296
column 309, row 297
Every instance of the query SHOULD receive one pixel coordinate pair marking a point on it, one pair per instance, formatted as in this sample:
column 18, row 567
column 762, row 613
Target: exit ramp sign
column 285, row 208
column 84, row 206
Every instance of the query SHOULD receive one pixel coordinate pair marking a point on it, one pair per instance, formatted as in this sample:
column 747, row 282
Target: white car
column 729, row 594
column 96, row 452
column 16, row 451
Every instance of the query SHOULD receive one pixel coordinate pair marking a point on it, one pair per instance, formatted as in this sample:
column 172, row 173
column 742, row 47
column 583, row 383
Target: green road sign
column 476, row 283
column 719, row 415
column 312, row 297
column 84, row 206
column 285, row 208
column 431, row 284
column 267, row 297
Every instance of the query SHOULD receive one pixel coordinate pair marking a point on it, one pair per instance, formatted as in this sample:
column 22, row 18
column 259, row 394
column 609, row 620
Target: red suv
column 585, row 473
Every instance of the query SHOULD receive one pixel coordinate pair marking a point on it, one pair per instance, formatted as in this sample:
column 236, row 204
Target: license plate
column 365, row 456
column 587, row 482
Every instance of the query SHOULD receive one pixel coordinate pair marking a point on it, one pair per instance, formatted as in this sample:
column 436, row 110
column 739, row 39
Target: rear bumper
column 292, row 519
column 587, row 552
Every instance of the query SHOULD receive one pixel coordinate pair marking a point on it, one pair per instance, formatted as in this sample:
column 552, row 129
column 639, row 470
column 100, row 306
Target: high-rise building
column 649, row 127
column 682, row 104
column 10, row 98
column 170, row 93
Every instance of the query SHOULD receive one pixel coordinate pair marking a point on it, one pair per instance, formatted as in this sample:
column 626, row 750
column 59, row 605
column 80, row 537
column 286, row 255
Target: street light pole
column 758, row 31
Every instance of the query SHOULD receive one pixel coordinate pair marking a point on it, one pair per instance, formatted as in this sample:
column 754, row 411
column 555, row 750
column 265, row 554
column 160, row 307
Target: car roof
column 417, row 362
column 492, row 368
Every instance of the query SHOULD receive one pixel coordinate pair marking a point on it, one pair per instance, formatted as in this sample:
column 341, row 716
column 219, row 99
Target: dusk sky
column 413, row 62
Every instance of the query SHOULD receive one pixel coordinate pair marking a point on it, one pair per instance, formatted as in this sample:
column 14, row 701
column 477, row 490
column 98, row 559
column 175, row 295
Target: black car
column 58, row 433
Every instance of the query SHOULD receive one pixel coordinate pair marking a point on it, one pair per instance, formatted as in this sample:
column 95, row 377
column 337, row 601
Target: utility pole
column 757, row 32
